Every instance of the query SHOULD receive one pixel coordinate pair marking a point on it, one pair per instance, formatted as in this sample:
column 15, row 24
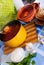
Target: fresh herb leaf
column 32, row 55
column 10, row 63
column 19, row 64
column 26, row 61
column 33, row 62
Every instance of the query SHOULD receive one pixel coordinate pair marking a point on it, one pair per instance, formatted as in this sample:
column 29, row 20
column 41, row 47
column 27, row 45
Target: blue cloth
column 39, row 59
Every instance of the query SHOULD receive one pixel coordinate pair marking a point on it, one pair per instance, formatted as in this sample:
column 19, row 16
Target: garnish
column 26, row 61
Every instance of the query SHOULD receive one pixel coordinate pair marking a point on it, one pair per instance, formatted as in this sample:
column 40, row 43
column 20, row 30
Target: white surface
column 17, row 55
column 18, row 4
column 5, row 58
column 4, row 64
column 41, row 3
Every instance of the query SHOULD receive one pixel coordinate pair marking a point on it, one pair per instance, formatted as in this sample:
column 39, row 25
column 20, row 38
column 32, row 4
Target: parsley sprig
column 26, row 61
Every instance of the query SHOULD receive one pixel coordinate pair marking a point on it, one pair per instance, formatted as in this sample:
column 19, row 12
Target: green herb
column 26, row 61
column 33, row 62
column 10, row 63
column 19, row 64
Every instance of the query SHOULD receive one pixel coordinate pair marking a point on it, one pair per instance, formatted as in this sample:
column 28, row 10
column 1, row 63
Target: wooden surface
column 31, row 37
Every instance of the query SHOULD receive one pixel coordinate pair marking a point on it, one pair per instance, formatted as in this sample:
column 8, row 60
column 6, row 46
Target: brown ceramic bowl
column 26, row 13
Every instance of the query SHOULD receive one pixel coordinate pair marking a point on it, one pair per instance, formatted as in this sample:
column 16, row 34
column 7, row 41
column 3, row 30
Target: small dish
column 26, row 13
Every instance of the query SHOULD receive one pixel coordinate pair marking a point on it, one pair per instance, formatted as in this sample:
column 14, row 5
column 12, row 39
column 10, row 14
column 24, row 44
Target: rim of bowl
column 20, row 10
column 11, row 23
